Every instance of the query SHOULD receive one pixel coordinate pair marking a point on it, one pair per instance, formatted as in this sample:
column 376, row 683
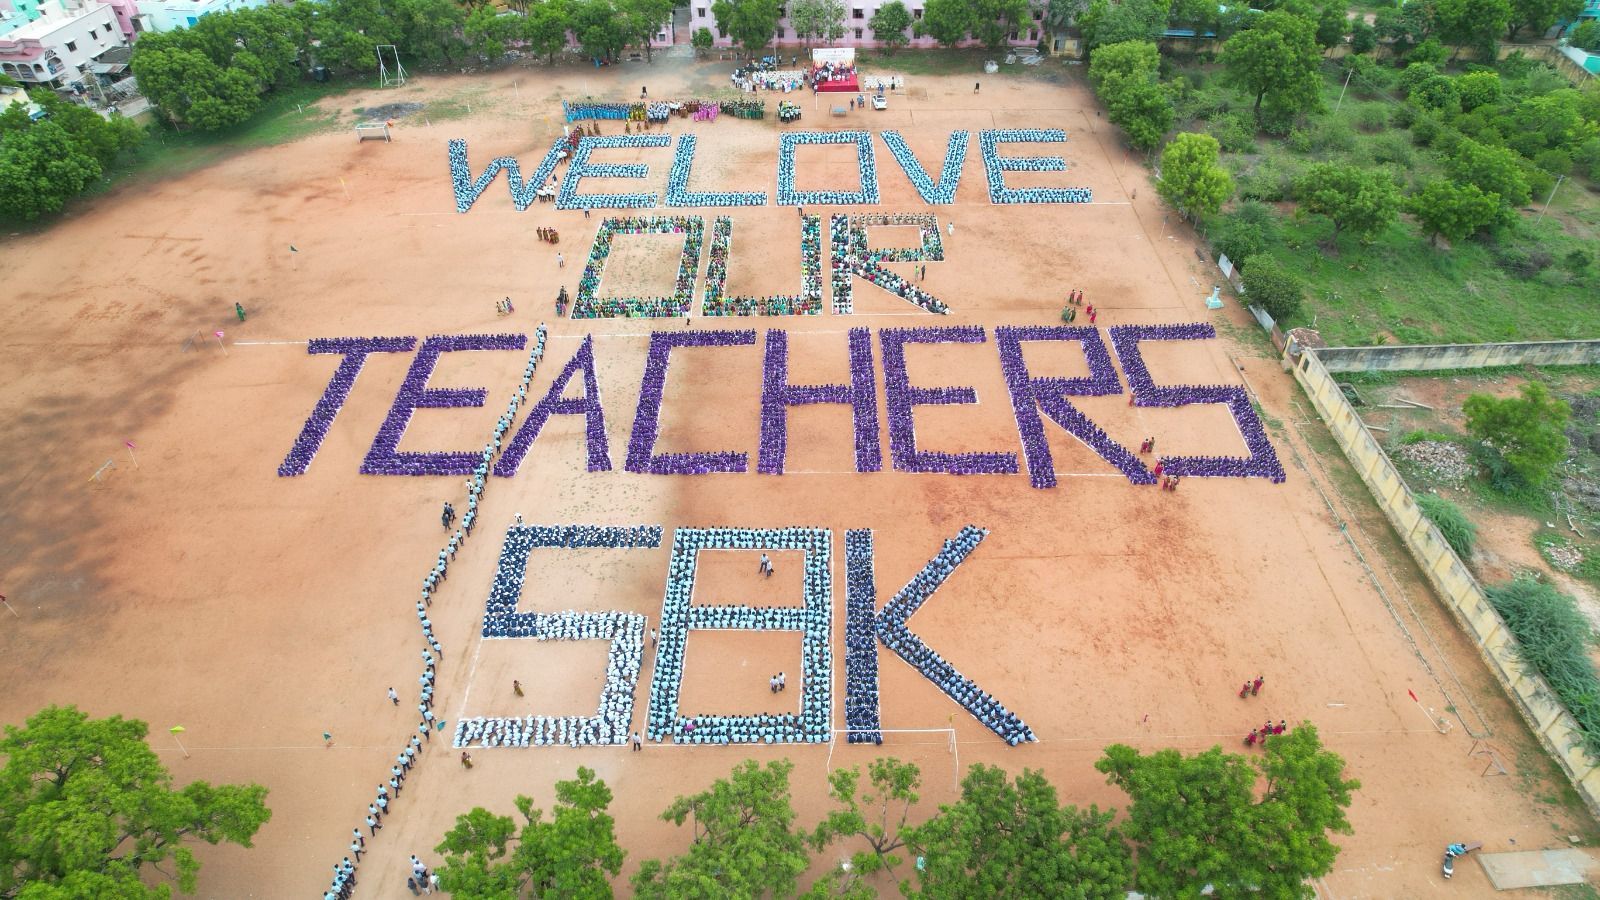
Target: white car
column 879, row 101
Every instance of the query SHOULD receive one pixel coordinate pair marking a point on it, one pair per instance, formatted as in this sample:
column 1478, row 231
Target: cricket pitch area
column 191, row 584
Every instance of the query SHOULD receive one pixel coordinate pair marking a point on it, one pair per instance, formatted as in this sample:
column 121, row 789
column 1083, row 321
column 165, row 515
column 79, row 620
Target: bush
column 1426, row 130
column 1437, row 93
column 1391, row 149
column 1554, row 161
column 1458, row 530
column 1248, row 230
column 1335, row 136
column 1586, row 35
column 1478, row 89
column 1372, row 119
column 1416, row 74
column 1553, row 638
column 1402, row 116
column 1269, row 180
column 1234, row 132
column 1299, row 140
column 1577, row 261
column 1272, row 287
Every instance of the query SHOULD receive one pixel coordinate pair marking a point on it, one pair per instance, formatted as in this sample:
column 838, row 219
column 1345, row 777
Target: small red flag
column 1413, row 695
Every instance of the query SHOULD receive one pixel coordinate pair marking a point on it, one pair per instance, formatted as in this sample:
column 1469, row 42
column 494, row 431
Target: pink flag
column 130, row 444
column 219, row 335
column 1413, row 696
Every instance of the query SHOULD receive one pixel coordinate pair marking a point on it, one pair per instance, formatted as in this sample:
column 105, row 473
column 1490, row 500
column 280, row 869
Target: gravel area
column 1441, row 461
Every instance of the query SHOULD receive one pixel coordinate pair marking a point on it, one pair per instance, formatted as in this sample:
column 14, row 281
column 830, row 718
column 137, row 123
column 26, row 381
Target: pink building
column 856, row 31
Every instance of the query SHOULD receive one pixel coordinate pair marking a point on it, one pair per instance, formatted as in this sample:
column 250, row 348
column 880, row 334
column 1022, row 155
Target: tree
column 820, row 19
column 1105, row 22
column 545, row 28
column 1528, row 432
column 1004, row 839
column 41, row 168
column 487, row 31
column 1405, row 27
column 1277, row 62
column 191, row 89
column 877, row 816
column 429, row 29
column 87, row 808
column 751, row 23
column 1473, row 23
column 1331, row 26
column 1060, row 14
column 642, row 20
column 889, row 25
column 1363, row 37
column 1191, row 179
column 1585, row 35
column 830, row 21
column 1137, row 58
column 1365, row 201
column 1438, row 94
column 1443, row 207
column 1495, row 170
column 1269, row 285
column 1197, row 821
column 744, row 844
column 598, row 28
column 1478, row 89
column 994, row 20
column 946, row 21
column 1540, row 15
column 573, row 854
column 702, row 41
column 1140, row 107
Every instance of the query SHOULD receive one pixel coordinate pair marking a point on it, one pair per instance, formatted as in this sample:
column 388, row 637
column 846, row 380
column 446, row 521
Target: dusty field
column 202, row 589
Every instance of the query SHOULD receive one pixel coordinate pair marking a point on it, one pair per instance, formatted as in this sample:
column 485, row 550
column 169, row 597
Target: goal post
column 389, row 69
column 943, row 736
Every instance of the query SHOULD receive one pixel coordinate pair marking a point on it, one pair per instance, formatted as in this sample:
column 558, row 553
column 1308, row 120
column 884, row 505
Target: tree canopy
column 876, row 815
column 572, row 854
column 744, row 843
column 44, row 164
column 1191, row 178
column 1272, row 287
column 1365, row 201
column 890, row 25
column 1107, row 22
column 1126, row 77
column 946, row 21
column 1527, row 431
column 1453, row 210
column 1276, row 61
column 1013, row 839
column 1197, row 819
column 751, row 23
column 88, row 810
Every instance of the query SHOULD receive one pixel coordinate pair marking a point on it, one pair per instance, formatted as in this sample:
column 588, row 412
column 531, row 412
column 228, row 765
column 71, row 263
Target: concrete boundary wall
column 1533, row 697
column 1459, row 356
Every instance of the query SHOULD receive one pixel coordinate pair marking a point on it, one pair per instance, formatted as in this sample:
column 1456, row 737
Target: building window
column 1038, row 14
column 72, row 46
column 858, row 34
column 857, row 14
column 91, row 34
column 916, row 14
column 700, row 12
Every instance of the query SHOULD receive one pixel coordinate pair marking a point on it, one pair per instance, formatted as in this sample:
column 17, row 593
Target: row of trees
column 87, row 810
column 214, row 74
column 752, row 23
column 45, row 163
column 1241, row 824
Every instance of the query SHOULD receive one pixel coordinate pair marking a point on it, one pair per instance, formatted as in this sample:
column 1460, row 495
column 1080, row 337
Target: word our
column 1031, row 395
column 865, row 192
column 866, row 626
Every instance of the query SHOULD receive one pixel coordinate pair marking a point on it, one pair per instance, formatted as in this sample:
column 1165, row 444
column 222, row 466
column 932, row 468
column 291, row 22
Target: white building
column 57, row 48
column 167, row 15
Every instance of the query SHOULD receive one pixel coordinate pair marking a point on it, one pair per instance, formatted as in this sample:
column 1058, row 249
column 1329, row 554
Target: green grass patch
column 1423, row 434
column 1577, row 557
column 956, row 62
column 1554, row 638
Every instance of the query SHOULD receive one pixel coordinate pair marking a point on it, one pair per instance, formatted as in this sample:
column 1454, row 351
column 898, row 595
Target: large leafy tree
column 1013, row 839
column 749, row 22
column 1495, row 170
column 429, row 29
column 545, row 28
column 744, row 845
column 1540, row 15
column 1107, row 22
column 1407, row 26
column 642, row 19
column 572, row 854
column 1332, row 24
column 1197, row 819
column 1453, row 210
column 1527, row 431
column 876, row 815
column 946, row 21
column 994, row 20
column 487, row 31
column 1276, row 61
column 890, row 25
column 1473, row 23
column 87, row 810
column 191, row 89
column 1364, row 201
column 1191, row 178
column 41, row 168
column 1272, row 287
column 598, row 27
column 1126, row 76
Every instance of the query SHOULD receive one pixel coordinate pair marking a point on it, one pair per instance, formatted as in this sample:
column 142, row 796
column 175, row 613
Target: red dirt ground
column 202, row 589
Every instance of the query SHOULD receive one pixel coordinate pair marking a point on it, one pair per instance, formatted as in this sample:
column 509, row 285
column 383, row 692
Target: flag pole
column 131, row 454
column 219, row 342
column 175, row 731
